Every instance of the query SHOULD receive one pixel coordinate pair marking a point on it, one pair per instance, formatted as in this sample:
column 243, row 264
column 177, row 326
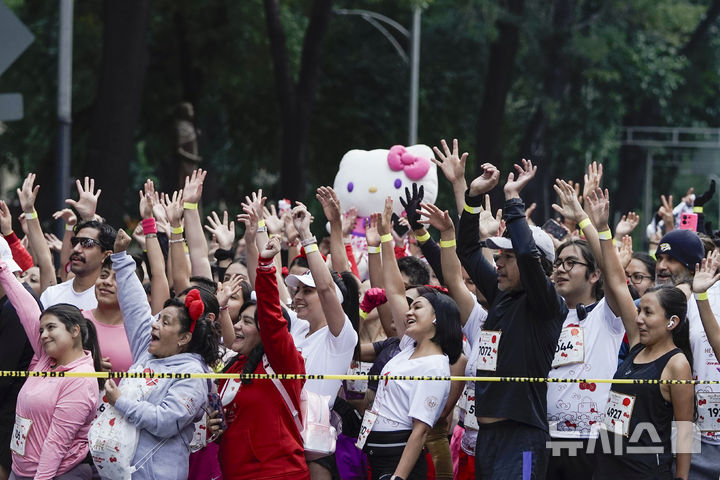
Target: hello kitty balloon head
column 365, row 178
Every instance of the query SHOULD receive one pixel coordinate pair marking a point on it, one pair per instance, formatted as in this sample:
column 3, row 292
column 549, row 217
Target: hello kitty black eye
column 350, row 186
column 398, row 183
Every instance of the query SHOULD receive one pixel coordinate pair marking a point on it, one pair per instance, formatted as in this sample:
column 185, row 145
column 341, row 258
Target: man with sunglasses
column 520, row 334
column 92, row 243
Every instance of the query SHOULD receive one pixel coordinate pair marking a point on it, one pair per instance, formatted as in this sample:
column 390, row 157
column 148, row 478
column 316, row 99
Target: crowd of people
column 493, row 296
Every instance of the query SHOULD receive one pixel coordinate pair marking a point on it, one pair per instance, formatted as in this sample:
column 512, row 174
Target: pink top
column 60, row 409
column 113, row 343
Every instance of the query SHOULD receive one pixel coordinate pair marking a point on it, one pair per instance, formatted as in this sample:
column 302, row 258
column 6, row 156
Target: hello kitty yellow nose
column 372, row 189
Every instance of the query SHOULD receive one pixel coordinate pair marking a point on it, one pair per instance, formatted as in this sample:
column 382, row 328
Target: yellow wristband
column 374, row 249
column 447, row 243
column 697, row 209
column 423, row 238
column 386, row 238
column 69, row 227
column 363, row 315
column 31, row 215
column 605, row 235
column 261, row 223
column 584, row 223
column 470, row 209
column 701, row 296
column 190, row 206
column 178, row 230
column 311, row 248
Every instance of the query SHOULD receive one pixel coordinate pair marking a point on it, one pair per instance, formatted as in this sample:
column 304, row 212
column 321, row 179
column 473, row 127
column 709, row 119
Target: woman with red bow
column 179, row 339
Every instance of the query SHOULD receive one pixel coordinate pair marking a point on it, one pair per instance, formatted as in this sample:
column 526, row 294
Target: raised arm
column 177, row 258
column 159, row 287
column 137, row 317
column 224, row 231
column 225, row 291
column 430, row 249
column 706, row 275
column 453, row 166
column 375, row 270
column 331, row 207
column 25, row 305
column 43, row 258
column 70, row 219
column 615, row 282
column 86, row 204
column 392, row 279
column 452, row 271
column 197, row 244
column 324, row 284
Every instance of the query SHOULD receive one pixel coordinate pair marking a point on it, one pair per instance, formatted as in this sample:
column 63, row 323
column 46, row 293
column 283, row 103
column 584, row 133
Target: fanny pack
column 386, row 444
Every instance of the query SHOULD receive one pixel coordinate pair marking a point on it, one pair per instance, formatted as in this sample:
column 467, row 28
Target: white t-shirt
column 573, row 408
column 705, row 364
column 324, row 353
column 65, row 293
column 399, row 401
column 472, row 330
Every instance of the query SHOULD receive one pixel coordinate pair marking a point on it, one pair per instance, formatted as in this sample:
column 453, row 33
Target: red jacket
column 19, row 253
column 262, row 440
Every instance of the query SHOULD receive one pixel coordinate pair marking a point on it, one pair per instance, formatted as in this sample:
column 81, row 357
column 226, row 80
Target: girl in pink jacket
column 53, row 414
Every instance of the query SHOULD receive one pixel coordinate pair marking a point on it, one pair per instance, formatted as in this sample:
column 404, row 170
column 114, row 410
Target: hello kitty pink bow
column 414, row 167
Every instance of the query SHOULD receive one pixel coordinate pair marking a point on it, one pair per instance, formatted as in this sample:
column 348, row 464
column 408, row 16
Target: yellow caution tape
column 307, row 376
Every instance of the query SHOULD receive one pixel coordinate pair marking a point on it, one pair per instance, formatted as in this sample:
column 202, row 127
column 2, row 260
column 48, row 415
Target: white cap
column 542, row 241
column 6, row 256
column 306, row 278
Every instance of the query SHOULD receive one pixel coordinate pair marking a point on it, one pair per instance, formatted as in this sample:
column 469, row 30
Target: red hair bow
column 194, row 306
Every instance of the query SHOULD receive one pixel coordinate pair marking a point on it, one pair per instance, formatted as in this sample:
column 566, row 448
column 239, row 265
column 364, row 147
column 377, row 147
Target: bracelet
column 701, row 296
column 374, row 249
column 447, row 243
column 308, row 241
column 262, row 229
column 151, row 235
column 470, row 209
column 423, row 238
column 30, row 215
column 178, row 230
column 190, row 206
column 222, row 309
column 605, row 235
column 310, row 248
column 149, row 226
column 584, row 223
column 385, row 238
column 261, row 223
column 698, row 209
column 69, row 228
column 176, row 240
column 363, row 315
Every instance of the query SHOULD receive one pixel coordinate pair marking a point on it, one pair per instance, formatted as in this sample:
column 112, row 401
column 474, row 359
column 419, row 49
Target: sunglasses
column 84, row 242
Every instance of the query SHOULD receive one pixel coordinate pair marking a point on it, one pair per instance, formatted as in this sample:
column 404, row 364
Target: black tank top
column 650, row 408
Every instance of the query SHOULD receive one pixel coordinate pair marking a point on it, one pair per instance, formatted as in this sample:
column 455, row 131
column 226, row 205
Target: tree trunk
column 111, row 146
column 296, row 100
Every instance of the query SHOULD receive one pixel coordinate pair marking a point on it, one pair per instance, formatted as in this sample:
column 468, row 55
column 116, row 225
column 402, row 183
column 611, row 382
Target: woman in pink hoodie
column 53, row 414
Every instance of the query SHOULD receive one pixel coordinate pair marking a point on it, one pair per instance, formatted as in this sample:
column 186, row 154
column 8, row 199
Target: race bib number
column 358, row 368
column 570, row 347
column 467, row 403
column 367, row 423
column 618, row 412
column 20, row 434
column 488, row 347
column 708, row 411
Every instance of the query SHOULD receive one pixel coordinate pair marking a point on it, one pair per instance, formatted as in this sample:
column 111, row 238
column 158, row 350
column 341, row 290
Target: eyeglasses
column 637, row 277
column 84, row 242
column 567, row 263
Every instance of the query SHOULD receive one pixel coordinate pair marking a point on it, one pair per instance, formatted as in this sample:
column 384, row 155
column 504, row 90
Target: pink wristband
column 149, row 226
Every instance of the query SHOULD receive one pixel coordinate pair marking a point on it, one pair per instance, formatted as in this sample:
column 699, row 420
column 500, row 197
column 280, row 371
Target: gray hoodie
column 169, row 406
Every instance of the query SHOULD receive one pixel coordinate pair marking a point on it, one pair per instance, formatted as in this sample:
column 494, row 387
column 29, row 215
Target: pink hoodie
column 60, row 409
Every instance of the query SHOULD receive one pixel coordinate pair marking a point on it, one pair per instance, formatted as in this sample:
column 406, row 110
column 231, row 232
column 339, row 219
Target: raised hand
column 488, row 224
column 372, row 236
column 385, row 220
column 67, row 215
column 348, row 221
column 290, row 233
column 5, row 219
column 226, row 290
column 173, row 207
column 485, row 182
column 223, row 231
column 571, row 208
column 452, row 165
column 688, row 198
column 626, row 251
column 627, row 224
column 192, row 193
column 139, row 236
column 666, row 212
column 519, row 179
column 528, row 213
column 273, row 222
column 436, row 217
column 86, row 204
column 330, row 204
column 147, row 200
column 592, row 178
column 598, row 208
column 411, row 203
column 28, row 193
column 54, row 243
column 703, row 198
column 250, row 219
column 706, row 273
column 256, row 201
column 271, row 248
column 122, row 240
column 302, row 220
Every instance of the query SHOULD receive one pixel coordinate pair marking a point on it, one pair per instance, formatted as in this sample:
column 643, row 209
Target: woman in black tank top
column 638, row 417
